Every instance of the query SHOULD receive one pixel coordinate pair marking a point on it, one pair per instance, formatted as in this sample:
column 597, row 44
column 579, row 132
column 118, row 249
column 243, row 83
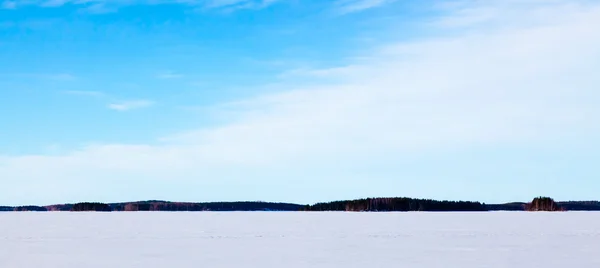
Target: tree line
column 366, row 204
column 396, row 204
column 91, row 206
column 210, row 206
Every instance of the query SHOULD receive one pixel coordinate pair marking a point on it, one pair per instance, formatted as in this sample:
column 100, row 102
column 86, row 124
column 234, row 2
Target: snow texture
column 299, row 239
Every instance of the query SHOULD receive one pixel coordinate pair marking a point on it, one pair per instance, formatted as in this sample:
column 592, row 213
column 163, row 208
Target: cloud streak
column 8, row 5
column 169, row 75
column 105, row 6
column 130, row 105
column 351, row 6
column 94, row 94
column 60, row 77
column 121, row 106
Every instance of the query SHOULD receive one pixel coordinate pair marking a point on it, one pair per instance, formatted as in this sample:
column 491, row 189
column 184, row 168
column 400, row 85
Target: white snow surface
column 299, row 239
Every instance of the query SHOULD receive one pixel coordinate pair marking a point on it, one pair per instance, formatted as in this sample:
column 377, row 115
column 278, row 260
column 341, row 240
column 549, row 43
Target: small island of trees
column 543, row 204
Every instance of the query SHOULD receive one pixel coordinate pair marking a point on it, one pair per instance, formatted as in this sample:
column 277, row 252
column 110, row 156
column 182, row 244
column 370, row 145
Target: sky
column 298, row 100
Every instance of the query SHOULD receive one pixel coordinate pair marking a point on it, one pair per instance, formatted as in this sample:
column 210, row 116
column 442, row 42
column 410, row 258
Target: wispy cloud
column 105, row 6
column 84, row 93
column 130, row 105
column 169, row 75
column 99, row 8
column 114, row 105
column 56, row 3
column 8, row 5
column 45, row 76
column 350, row 6
column 233, row 5
column 226, row 3
column 59, row 77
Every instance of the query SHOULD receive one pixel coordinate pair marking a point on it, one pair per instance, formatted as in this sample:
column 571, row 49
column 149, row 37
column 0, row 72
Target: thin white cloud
column 54, row 3
column 169, row 75
column 59, row 77
column 130, row 105
column 224, row 3
column 104, row 6
column 46, row 76
column 8, row 5
column 351, row 6
column 84, row 93
column 534, row 82
column 99, row 8
column 233, row 5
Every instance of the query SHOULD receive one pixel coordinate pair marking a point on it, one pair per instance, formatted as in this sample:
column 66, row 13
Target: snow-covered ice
column 299, row 239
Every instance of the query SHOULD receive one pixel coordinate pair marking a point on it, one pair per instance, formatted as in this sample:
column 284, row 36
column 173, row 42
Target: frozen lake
column 294, row 240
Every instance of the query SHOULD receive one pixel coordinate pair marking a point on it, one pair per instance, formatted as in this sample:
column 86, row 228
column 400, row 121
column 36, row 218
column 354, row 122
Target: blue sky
column 298, row 100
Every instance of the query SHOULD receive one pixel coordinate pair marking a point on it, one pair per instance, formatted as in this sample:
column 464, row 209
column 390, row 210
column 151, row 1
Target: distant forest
column 397, row 204
column 358, row 205
column 157, row 205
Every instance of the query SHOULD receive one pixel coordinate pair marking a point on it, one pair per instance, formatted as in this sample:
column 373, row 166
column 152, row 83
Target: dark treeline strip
column 163, row 206
column 157, row 205
column 91, row 206
column 29, row 208
column 538, row 205
column 211, row 206
column 580, row 205
column 516, row 206
column 397, row 204
column 367, row 204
